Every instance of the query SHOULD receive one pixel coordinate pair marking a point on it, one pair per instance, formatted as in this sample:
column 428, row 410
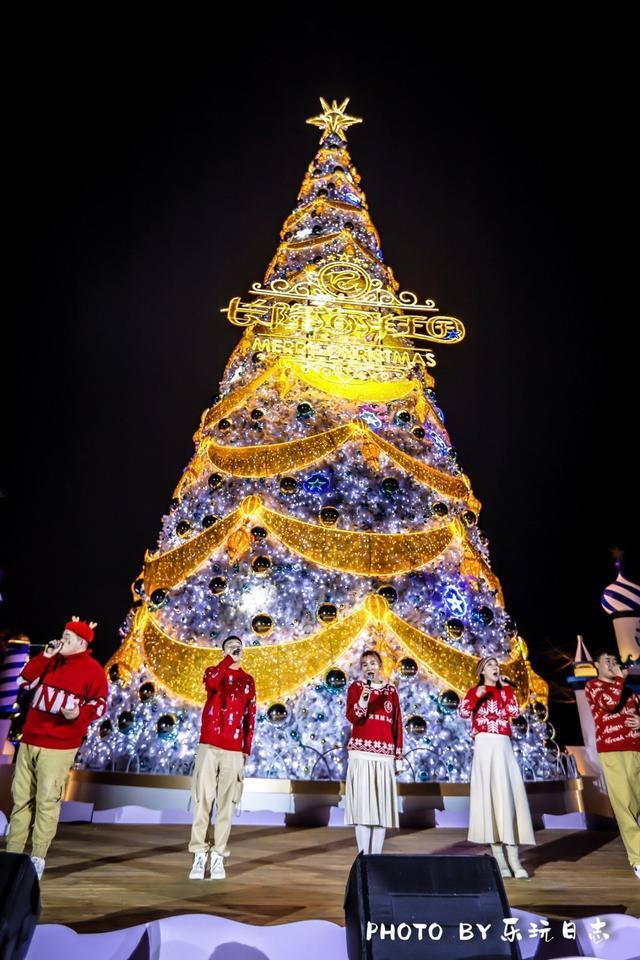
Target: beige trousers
column 217, row 779
column 622, row 776
column 38, row 786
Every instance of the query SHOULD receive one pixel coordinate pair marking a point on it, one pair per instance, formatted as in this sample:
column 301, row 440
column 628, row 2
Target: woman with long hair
column 498, row 806
column 375, row 755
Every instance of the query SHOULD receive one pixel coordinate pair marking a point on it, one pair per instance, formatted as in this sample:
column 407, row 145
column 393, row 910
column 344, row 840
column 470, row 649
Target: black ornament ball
column 138, row 587
column 125, row 721
column 408, row 667
column 208, row 520
column 469, row 518
column 224, row 425
column 389, row 593
column 510, row 628
column 304, row 411
column 105, row 728
column 336, row 679
column 261, row 565
column 439, row 508
column 218, row 585
column 288, row 485
column 146, row 691
column 277, row 714
column 390, row 485
column 448, row 701
column 486, row 615
column 519, row 727
column 262, row 624
column 215, row 481
column 174, row 503
column 455, row 628
column 418, row 432
column 165, row 724
column 158, row 597
column 540, row 710
column 183, row 528
column 257, row 414
column 114, row 673
column 329, row 516
column 416, row 726
column 259, row 534
column 327, row 612
column 403, row 416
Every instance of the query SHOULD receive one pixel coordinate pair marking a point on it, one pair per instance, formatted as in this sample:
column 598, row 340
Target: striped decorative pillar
column 11, row 664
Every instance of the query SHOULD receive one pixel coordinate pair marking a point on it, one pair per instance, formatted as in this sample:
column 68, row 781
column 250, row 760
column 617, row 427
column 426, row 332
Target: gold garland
column 281, row 669
column 170, row 568
column 454, row 667
column 271, row 459
column 284, row 369
column 351, row 551
column 360, row 552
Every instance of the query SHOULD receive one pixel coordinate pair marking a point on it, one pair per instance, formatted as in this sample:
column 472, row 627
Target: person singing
column 375, row 755
column 498, row 807
column 616, row 714
column 70, row 691
column 226, row 733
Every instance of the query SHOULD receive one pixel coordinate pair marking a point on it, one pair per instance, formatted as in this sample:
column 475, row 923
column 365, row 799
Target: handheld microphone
column 369, row 678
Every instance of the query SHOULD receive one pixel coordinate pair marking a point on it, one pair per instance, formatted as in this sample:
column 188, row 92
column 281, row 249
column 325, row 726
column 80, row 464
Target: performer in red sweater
column 228, row 720
column 498, row 807
column 70, row 691
column 375, row 755
column 616, row 713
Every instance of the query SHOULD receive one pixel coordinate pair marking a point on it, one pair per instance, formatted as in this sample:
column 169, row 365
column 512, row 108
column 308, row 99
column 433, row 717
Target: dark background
column 149, row 188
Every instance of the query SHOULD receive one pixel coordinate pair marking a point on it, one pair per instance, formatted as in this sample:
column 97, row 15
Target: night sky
column 151, row 189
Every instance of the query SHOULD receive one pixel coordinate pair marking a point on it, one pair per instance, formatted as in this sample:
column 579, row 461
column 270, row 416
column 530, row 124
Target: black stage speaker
column 19, row 905
column 404, row 892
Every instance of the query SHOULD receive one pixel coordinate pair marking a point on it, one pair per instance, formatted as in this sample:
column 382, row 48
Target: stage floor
column 106, row 877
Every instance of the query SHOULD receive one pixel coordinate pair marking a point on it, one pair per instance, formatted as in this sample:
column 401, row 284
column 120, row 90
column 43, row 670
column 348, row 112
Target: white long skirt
column 370, row 795
column 498, row 805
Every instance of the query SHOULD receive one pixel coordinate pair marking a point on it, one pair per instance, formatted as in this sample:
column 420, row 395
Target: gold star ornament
column 334, row 119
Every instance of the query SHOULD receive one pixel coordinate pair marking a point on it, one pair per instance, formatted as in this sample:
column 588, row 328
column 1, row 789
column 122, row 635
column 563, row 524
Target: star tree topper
column 334, row 119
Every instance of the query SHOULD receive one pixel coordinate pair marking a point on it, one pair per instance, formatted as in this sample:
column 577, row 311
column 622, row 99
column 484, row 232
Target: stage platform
column 103, row 877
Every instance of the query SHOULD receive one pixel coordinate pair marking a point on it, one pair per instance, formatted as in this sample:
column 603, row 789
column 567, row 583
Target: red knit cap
column 81, row 628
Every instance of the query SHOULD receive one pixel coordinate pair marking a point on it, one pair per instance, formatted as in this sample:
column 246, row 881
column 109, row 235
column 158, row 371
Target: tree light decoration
column 323, row 512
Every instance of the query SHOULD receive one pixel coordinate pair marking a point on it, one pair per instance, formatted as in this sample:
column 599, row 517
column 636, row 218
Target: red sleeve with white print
column 355, row 712
column 397, row 726
column 249, row 720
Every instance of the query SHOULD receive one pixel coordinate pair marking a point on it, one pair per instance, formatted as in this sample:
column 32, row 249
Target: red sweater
column 229, row 714
column 492, row 712
column 62, row 682
column 378, row 727
column 611, row 705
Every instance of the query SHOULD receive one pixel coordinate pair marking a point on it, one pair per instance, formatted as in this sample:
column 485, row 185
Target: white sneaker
column 216, row 870
column 636, row 870
column 199, row 866
column 38, row 863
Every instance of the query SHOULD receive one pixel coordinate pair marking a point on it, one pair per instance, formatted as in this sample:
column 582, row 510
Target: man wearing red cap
column 70, row 691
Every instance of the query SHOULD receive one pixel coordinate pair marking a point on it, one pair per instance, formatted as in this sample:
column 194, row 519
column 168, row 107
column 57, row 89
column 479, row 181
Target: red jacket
column 611, row 705
column 62, row 682
column 229, row 714
column 378, row 727
column 492, row 712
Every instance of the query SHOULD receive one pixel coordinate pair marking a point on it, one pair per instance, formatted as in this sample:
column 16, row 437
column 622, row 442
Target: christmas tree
column 323, row 512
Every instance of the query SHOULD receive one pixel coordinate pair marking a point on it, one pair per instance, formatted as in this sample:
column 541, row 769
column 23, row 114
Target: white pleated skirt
column 498, row 805
column 371, row 798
